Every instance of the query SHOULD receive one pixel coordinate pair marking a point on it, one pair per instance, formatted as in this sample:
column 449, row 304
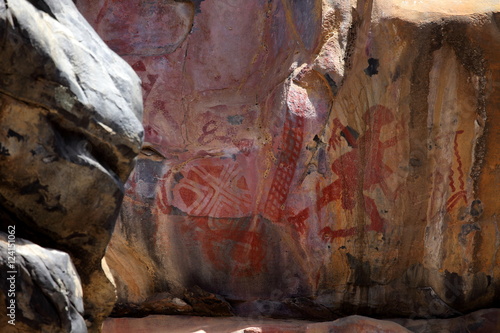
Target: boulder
column 70, row 127
column 486, row 321
column 182, row 324
column 41, row 288
column 482, row 321
column 311, row 159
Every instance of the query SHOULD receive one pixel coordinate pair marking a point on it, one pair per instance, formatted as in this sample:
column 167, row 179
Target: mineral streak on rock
column 70, row 127
column 312, row 158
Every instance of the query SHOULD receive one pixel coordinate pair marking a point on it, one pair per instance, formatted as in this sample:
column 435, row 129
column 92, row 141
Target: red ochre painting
column 221, row 202
column 351, row 170
column 214, row 187
column 347, row 167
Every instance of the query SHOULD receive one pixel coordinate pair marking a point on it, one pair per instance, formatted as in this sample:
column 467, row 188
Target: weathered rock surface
column 483, row 321
column 312, row 159
column 70, row 127
column 183, row 324
column 42, row 290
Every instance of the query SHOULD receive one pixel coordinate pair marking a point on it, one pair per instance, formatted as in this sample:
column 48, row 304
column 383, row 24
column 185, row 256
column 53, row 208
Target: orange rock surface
column 311, row 159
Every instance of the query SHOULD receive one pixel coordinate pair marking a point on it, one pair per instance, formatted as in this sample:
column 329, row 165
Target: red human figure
column 347, row 166
column 376, row 171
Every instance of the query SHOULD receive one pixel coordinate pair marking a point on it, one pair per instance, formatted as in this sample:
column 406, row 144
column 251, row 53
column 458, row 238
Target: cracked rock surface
column 70, row 127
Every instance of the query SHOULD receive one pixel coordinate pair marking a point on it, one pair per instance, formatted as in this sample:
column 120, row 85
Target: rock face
column 182, row 324
column 44, row 287
column 482, row 321
column 311, row 158
column 70, row 112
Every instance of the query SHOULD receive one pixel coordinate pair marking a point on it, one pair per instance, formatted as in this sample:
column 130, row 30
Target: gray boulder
column 70, row 128
column 42, row 289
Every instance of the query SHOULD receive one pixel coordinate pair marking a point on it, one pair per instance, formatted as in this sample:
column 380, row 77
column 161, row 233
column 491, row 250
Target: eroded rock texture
column 182, row 324
column 311, row 158
column 483, row 321
column 45, row 287
column 70, row 128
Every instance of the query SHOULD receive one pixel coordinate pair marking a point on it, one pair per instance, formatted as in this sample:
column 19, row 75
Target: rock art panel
column 315, row 159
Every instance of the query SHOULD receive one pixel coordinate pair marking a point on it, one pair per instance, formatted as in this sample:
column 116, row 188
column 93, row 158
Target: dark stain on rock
column 454, row 285
column 308, row 308
column 480, row 287
column 34, row 188
column 322, row 167
column 51, row 208
column 178, row 176
column 372, row 68
column 476, row 208
column 14, row 134
column 496, row 19
column 415, row 162
column 362, row 271
column 42, row 6
column 332, row 84
column 396, row 74
column 236, row 119
column 4, row 151
column 467, row 229
column 50, row 204
column 350, row 135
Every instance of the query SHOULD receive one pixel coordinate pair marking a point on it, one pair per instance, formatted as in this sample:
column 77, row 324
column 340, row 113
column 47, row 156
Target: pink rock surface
column 483, row 321
column 311, row 158
column 185, row 324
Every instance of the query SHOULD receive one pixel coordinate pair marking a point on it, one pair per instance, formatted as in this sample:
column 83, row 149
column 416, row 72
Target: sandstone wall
column 310, row 158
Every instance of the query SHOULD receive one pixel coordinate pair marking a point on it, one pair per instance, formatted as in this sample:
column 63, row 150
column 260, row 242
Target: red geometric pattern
column 462, row 193
column 218, row 189
column 293, row 137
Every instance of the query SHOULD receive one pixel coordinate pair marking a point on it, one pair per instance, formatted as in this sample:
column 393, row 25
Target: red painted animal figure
column 350, row 170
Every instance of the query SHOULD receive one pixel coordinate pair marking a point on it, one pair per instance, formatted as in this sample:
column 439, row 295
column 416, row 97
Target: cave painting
column 216, row 194
column 212, row 130
column 348, row 168
column 215, row 187
column 449, row 187
column 458, row 190
column 231, row 245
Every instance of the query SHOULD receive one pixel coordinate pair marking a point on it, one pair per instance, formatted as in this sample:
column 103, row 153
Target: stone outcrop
column 483, row 321
column 43, row 292
column 70, row 127
column 487, row 320
column 182, row 324
column 311, row 159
